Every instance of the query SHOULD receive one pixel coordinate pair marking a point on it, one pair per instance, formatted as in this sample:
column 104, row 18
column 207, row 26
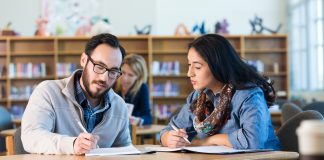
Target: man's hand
column 84, row 143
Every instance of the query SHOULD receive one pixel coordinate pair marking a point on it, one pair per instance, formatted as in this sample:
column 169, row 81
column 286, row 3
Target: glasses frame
column 105, row 69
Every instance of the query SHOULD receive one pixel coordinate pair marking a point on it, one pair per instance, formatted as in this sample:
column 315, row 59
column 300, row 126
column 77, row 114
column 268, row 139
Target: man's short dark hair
column 104, row 38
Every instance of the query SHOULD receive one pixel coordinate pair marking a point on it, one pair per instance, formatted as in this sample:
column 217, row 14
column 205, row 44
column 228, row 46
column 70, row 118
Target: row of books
column 27, row 70
column 168, row 89
column 2, row 68
column 17, row 111
column 258, row 65
column 166, row 68
column 164, row 111
column 65, row 69
column 2, row 91
column 23, row 92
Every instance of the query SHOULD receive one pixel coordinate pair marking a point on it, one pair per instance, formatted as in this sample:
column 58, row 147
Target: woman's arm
column 182, row 120
column 254, row 119
column 217, row 139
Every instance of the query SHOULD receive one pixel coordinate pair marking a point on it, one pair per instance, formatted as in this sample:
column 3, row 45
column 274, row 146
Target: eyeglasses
column 99, row 69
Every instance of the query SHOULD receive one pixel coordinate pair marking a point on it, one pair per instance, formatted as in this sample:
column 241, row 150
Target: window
column 306, row 44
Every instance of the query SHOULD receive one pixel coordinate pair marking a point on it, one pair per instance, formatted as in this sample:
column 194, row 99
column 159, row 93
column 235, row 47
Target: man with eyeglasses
column 81, row 112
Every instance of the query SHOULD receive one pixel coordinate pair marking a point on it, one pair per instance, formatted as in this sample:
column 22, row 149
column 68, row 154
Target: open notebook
column 206, row 149
column 128, row 150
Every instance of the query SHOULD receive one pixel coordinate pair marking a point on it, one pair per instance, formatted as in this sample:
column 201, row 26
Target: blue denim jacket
column 248, row 127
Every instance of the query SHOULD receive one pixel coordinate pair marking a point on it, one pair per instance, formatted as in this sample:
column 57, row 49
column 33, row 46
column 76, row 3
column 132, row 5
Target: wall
column 237, row 13
column 163, row 14
column 21, row 13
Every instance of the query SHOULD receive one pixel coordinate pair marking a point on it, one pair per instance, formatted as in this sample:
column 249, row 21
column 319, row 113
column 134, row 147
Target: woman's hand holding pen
column 175, row 139
column 84, row 143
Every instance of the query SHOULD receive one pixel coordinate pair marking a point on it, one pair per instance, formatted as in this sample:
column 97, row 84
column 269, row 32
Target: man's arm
column 38, row 124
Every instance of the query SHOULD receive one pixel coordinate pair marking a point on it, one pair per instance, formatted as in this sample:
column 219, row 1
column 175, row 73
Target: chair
column 18, row 147
column 5, row 123
column 132, row 130
column 288, row 110
column 287, row 132
column 317, row 106
column 14, row 144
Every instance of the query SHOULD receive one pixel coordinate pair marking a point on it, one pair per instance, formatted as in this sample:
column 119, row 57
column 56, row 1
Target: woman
column 230, row 103
column 133, row 88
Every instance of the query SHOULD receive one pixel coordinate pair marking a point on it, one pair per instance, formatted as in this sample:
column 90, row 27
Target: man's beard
column 86, row 83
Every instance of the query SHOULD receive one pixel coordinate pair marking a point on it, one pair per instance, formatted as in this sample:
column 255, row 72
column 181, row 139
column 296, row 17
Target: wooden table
column 148, row 130
column 160, row 156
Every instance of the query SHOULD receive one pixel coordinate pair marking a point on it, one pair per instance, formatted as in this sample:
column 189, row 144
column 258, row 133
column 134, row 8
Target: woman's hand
column 174, row 139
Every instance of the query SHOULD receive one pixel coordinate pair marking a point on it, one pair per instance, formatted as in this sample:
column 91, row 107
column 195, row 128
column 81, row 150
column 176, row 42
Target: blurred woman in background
column 133, row 88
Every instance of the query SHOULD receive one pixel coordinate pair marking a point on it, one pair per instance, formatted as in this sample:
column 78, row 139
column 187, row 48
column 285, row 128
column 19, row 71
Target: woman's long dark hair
column 227, row 66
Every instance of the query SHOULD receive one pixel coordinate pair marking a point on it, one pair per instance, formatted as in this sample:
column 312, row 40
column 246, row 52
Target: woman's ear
column 83, row 60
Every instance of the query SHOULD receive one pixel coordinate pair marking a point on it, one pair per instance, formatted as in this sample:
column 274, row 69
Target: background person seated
column 133, row 88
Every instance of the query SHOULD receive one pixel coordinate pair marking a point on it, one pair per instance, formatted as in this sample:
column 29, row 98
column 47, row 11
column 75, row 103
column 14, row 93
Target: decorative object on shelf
column 7, row 31
column 276, row 67
column 181, row 30
column 146, row 30
column 221, row 27
column 257, row 26
column 199, row 29
column 101, row 26
column 41, row 24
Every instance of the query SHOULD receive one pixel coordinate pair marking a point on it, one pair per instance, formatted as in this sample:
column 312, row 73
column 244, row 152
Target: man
column 59, row 111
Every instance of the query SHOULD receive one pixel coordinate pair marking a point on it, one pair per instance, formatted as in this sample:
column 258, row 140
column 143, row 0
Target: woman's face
column 199, row 72
column 128, row 77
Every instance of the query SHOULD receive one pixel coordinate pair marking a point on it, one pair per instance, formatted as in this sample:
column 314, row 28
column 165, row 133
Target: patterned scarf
column 209, row 119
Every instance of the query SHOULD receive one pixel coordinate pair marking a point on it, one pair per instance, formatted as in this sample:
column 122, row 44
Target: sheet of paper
column 212, row 149
column 113, row 151
column 205, row 149
column 163, row 149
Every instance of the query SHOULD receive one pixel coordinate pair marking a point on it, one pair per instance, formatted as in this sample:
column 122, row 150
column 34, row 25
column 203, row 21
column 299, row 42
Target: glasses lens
column 99, row 69
column 113, row 74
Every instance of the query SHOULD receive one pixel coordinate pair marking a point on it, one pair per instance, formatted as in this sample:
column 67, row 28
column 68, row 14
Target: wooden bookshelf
column 57, row 51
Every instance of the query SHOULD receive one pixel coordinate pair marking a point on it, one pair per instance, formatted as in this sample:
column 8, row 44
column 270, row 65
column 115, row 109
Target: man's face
column 96, row 84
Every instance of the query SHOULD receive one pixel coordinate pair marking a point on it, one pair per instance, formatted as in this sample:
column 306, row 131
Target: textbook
column 206, row 149
column 128, row 150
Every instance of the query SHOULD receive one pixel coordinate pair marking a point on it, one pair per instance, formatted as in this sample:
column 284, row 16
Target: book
column 206, row 149
column 128, row 150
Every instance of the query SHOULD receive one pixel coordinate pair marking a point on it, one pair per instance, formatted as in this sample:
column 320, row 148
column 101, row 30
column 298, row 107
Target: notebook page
column 113, row 151
column 163, row 149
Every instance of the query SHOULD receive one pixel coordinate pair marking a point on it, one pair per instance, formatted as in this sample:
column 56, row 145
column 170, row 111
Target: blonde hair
column 138, row 65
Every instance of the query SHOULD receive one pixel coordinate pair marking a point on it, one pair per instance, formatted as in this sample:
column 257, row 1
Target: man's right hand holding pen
column 85, row 142
column 175, row 138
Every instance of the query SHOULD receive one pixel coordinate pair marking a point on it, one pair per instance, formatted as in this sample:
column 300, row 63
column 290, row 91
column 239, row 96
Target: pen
column 176, row 129
column 84, row 130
